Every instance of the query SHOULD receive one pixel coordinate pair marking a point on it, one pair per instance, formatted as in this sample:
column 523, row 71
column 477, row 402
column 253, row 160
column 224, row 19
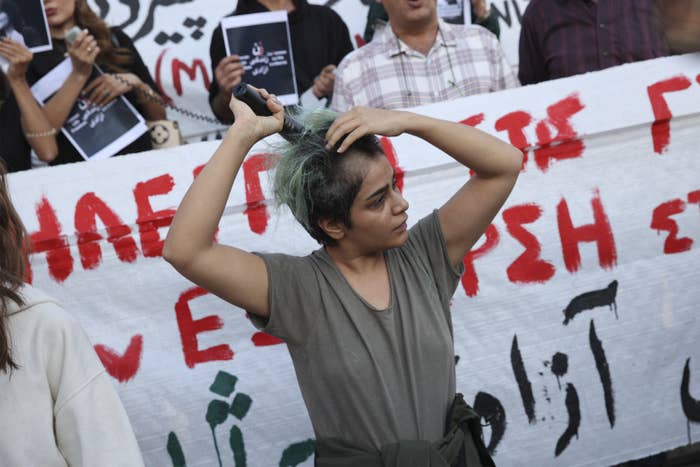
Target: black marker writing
column 560, row 365
column 574, row 410
column 506, row 18
column 691, row 406
column 601, row 364
column 516, row 361
column 147, row 26
column 590, row 300
column 493, row 412
column 134, row 7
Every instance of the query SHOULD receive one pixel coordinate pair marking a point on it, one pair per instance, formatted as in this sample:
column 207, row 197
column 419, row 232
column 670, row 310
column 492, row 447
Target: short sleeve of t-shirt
column 293, row 297
column 426, row 242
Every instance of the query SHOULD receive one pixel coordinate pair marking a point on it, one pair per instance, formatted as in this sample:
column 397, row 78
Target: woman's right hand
column 255, row 126
column 83, row 52
column 19, row 57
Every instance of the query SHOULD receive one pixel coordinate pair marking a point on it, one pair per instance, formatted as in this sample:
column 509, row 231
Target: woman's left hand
column 19, row 57
column 108, row 87
column 360, row 121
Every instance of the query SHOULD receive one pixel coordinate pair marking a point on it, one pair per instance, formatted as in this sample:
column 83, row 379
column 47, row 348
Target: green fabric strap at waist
column 458, row 439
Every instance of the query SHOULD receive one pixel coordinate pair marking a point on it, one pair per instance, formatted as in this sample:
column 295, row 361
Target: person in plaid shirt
column 419, row 59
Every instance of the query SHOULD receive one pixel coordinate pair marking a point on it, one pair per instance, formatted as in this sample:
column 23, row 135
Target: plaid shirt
column 387, row 73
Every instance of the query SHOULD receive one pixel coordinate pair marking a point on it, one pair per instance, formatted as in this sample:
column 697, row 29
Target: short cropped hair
column 316, row 183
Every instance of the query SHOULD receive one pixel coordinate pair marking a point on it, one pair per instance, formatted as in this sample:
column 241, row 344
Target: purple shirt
column 566, row 37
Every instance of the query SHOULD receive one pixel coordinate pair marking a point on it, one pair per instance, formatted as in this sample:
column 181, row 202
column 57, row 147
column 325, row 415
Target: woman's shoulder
column 122, row 39
column 117, row 31
column 44, row 307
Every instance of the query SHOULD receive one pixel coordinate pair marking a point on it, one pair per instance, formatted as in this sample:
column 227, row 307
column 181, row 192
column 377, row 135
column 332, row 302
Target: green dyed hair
column 316, row 183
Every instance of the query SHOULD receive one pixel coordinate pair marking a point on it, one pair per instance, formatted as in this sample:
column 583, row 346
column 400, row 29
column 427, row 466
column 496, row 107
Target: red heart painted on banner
column 122, row 367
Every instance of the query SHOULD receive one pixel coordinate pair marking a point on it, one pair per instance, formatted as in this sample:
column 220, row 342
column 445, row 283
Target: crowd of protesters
column 413, row 57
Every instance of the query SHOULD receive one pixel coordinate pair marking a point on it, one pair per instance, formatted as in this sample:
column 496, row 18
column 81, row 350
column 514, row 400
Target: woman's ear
column 333, row 228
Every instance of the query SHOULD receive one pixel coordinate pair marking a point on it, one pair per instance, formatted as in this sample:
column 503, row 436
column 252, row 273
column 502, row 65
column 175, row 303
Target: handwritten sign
column 97, row 132
column 262, row 42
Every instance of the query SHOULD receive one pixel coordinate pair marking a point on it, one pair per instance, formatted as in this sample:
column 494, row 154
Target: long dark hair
column 111, row 56
column 12, row 266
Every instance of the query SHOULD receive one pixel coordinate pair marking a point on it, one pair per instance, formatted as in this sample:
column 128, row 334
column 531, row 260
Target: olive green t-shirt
column 370, row 377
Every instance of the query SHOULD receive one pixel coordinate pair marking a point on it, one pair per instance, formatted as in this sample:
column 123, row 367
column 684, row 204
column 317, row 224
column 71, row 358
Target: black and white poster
column 262, row 42
column 24, row 21
column 97, row 132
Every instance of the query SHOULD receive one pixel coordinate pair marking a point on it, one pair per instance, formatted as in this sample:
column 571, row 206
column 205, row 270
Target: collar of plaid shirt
column 394, row 46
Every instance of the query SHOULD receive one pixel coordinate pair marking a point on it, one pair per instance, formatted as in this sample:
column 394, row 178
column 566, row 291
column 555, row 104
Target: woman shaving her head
column 96, row 44
column 366, row 317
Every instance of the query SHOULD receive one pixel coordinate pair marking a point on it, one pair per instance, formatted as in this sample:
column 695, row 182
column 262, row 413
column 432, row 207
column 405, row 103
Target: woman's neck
column 279, row 5
column 353, row 261
column 420, row 39
column 59, row 32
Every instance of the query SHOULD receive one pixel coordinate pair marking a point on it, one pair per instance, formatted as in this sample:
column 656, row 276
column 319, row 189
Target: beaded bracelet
column 42, row 134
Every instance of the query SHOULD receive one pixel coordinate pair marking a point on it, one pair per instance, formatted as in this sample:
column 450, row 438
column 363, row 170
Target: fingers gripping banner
column 576, row 330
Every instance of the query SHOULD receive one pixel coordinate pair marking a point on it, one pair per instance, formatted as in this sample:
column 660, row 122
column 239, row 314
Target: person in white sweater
column 58, row 406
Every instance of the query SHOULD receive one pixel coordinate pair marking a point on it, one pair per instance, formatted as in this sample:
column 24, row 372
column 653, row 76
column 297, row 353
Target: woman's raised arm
column 37, row 129
column 237, row 276
column 83, row 52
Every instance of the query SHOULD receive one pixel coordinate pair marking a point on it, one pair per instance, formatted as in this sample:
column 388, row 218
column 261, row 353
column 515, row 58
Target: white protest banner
column 575, row 323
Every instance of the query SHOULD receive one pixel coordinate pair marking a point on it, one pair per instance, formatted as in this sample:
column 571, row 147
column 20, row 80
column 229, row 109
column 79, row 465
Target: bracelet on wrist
column 41, row 134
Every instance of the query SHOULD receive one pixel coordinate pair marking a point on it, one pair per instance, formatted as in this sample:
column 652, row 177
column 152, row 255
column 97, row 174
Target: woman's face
column 378, row 213
column 60, row 14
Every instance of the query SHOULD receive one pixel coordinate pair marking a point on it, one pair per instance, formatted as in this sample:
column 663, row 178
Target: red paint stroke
column 122, row 367
column 262, row 339
column 159, row 81
column 190, row 328
column 191, row 71
column 256, row 209
column 50, row 240
column 359, row 41
column 149, row 220
column 661, row 220
column 474, row 120
column 515, row 123
column 565, row 145
column 661, row 128
column 88, row 209
column 470, row 280
column 528, row 267
column 197, row 170
column 694, row 197
column 393, row 159
column 599, row 232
